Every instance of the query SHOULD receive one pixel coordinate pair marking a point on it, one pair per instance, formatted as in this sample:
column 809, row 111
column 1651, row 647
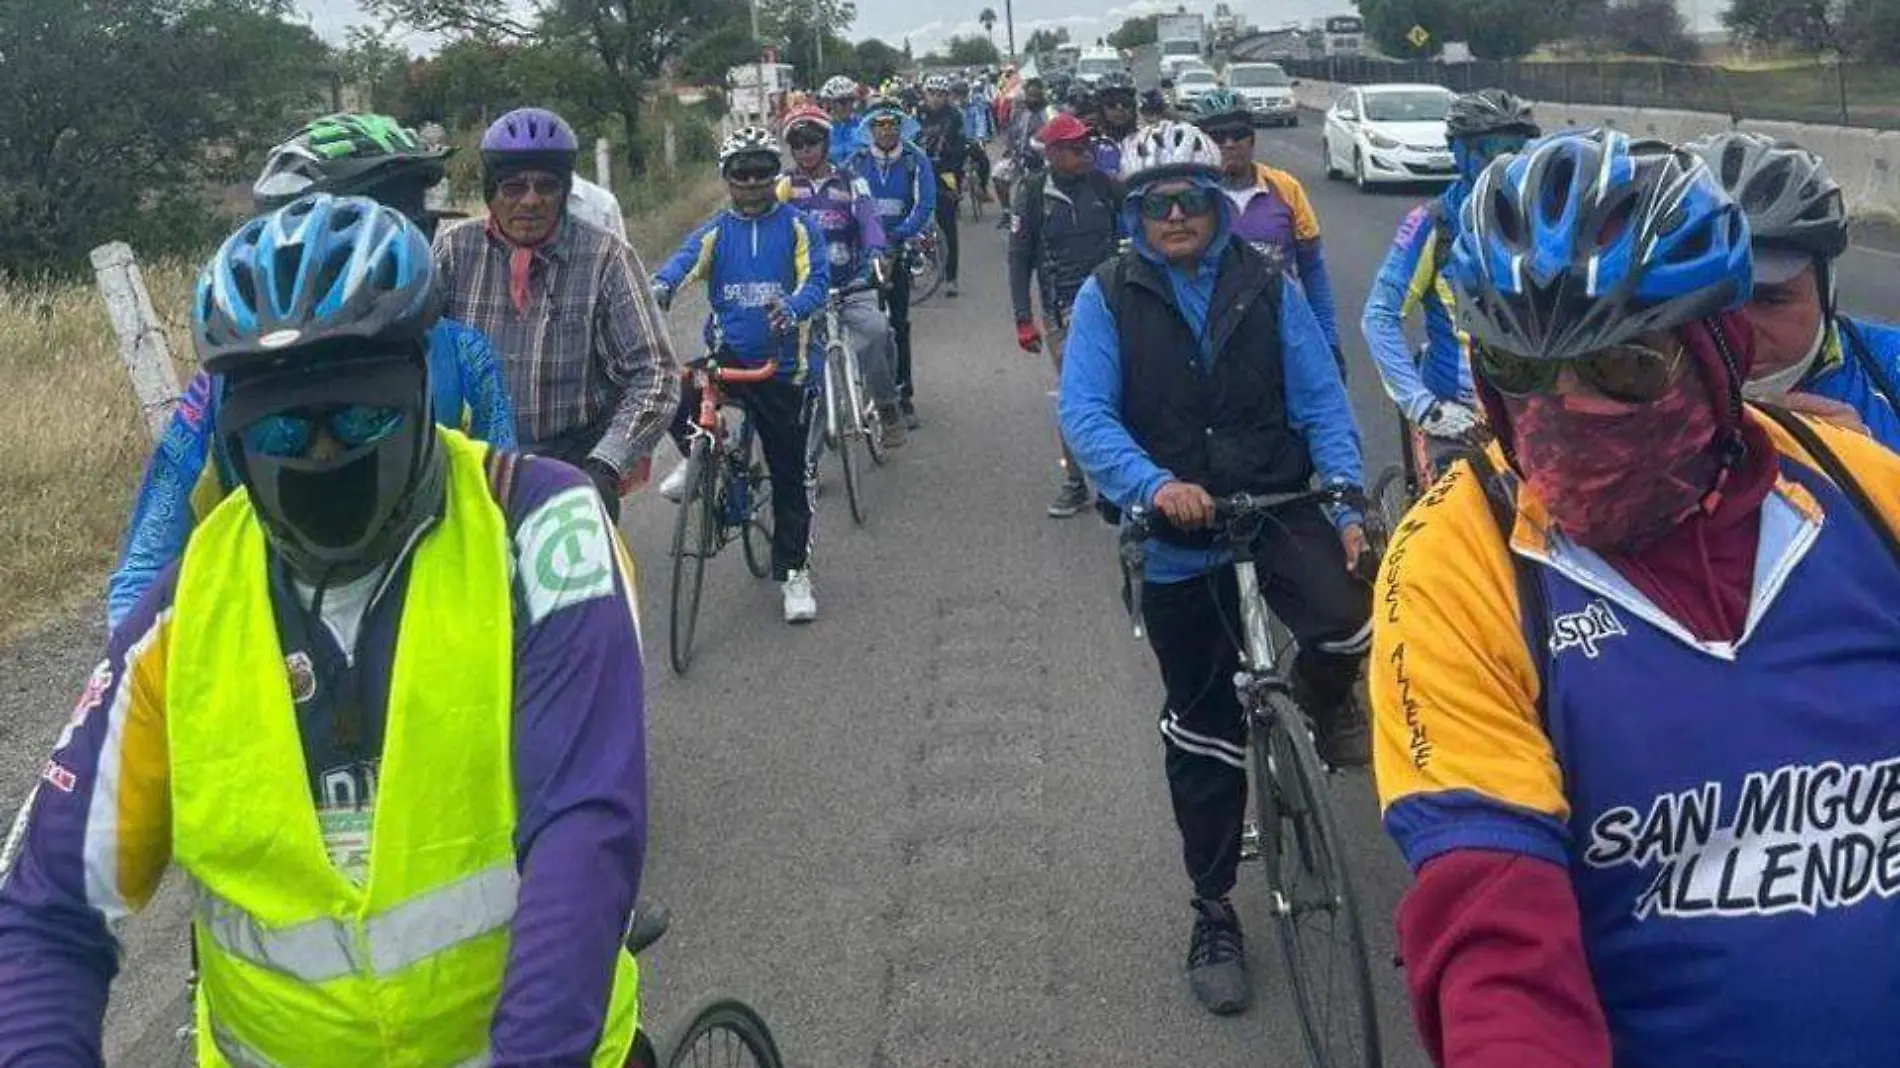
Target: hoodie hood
column 1223, row 227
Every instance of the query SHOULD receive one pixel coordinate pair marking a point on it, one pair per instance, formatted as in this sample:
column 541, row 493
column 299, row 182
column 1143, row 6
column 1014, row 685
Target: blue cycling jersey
column 1862, row 369
column 465, row 387
column 1410, row 279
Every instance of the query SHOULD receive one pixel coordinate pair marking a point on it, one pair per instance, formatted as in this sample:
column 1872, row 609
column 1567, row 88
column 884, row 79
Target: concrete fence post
column 142, row 346
column 603, row 163
column 671, row 146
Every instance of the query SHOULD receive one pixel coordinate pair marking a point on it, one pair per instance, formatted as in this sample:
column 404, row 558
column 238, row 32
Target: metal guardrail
column 1846, row 94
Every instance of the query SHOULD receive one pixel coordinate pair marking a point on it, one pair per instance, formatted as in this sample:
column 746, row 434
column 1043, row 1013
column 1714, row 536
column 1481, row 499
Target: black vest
column 1225, row 428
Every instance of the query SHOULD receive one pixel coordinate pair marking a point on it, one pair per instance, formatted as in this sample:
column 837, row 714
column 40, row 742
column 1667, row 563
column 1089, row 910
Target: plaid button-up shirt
column 592, row 353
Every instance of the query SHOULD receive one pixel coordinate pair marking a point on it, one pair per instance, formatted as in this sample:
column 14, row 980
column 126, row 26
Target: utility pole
column 1009, row 23
column 818, row 35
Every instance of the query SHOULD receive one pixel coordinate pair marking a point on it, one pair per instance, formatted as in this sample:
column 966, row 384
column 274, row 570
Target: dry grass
column 74, row 447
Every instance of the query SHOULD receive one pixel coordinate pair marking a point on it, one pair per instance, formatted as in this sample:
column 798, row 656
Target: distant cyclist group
column 375, row 685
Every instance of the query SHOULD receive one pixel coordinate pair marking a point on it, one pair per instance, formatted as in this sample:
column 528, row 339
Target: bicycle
column 727, row 495
column 1293, row 833
column 1400, row 485
column 973, row 186
column 922, row 256
column 850, row 414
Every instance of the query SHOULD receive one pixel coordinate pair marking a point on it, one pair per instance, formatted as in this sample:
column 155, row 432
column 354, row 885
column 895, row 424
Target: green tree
column 379, row 68
column 1807, row 25
column 710, row 57
column 1504, row 29
column 875, row 61
column 1134, row 33
column 630, row 41
column 971, row 51
column 1638, row 28
column 988, row 18
column 121, row 116
column 1045, row 40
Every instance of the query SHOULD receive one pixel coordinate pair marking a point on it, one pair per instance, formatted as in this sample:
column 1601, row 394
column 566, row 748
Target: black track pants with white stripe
column 1194, row 628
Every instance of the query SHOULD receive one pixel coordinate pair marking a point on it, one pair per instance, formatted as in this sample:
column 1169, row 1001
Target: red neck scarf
column 520, row 262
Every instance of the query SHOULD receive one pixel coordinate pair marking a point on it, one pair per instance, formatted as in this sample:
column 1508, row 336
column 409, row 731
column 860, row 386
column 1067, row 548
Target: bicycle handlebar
column 1144, row 522
column 853, row 288
column 710, row 366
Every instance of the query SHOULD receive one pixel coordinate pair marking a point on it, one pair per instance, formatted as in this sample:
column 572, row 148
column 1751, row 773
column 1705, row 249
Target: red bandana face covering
column 1616, row 476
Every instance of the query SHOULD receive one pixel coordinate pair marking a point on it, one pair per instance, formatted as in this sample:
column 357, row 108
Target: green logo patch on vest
column 564, row 555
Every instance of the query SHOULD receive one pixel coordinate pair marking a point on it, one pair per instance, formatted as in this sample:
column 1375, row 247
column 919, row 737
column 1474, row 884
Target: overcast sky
column 928, row 22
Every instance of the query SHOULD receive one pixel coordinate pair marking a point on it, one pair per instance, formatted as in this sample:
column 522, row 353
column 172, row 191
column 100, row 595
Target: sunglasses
column 1193, row 203
column 1229, row 135
column 287, row 435
column 751, row 173
column 545, row 188
column 1634, row 374
column 807, row 140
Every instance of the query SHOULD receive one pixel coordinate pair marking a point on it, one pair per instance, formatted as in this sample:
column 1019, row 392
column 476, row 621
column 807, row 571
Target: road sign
column 1419, row 36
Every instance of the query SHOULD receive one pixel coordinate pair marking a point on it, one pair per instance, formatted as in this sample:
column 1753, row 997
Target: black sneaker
column 910, row 415
column 1217, row 959
column 1342, row 736
column 1069, row 500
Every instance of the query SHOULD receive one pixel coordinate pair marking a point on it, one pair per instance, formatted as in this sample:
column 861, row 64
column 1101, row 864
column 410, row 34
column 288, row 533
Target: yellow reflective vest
column 298, row 966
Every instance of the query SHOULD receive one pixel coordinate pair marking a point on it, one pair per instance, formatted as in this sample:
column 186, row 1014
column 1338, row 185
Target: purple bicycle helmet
column 527, row 139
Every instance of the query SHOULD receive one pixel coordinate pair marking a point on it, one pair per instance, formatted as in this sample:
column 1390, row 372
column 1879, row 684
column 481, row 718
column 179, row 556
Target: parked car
column 1190, row 83
column 1384, row 134
column 1267, row 90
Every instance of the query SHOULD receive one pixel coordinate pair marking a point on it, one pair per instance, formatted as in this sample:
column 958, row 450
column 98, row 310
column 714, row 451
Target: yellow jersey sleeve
column 1289, row 189
column 1875, row 469
column 1460, row 756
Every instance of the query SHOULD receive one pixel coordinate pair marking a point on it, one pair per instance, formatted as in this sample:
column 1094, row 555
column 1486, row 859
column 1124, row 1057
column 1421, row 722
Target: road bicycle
column 973, row 193
column 1293, row 834
column 851, row 416
column 922, row 256
column 721, row 1031
column 727, row 495
column 1400, row 485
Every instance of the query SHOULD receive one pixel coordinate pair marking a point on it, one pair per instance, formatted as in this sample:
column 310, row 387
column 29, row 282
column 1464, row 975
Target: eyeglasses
column 1491, row 146
column 1193, row 203
column 287, row 435
column 546, row 188
column 1228, row 135
column 1634, row 374
column 807, row 139
column 752, row 172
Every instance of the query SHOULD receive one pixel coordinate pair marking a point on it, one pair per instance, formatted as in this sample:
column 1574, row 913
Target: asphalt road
column 931, row 828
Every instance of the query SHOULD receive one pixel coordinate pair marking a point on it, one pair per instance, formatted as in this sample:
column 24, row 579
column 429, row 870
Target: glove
column 1449, row 420
column 662, row 295
column 881, row 270
column 1027, row 337
column 780, row 318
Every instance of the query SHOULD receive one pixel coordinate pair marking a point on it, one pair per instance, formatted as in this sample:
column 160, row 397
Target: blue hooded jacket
column 1864, row 376
column 1090, row 401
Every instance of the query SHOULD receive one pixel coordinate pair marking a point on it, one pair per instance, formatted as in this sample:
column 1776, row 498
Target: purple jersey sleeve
column 580, row 769
column 89, row 846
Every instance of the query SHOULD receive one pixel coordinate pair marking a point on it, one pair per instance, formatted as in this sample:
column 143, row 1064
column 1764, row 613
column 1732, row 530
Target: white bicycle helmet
column 747, row 141
column 1168, row 150
column 936, row 83
column 838, row 87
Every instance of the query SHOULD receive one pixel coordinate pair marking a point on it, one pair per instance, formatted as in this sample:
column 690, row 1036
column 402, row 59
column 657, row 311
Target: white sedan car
column 1382, row 134
column 1191, row 83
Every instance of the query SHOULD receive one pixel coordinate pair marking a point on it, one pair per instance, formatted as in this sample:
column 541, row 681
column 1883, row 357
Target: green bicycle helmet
column 347, row 155
column 1217, row 106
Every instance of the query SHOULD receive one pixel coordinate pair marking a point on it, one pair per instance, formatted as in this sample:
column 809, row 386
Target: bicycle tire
column 1306, row 876
column 755, row 536
column 924, row 285
column 725, row 1025
column 871, row 419
column 1392, row 496
column 692, row 543
column 845, row 404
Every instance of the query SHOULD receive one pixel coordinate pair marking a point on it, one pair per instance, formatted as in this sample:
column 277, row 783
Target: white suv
column 1267, row 91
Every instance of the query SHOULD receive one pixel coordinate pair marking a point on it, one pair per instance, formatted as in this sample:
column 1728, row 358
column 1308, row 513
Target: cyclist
column 1627, row 758
column 764, row 264
column 1435, row 393
column 1080, row 102
column 841, row 204
column 941, row 136
column 356, row 154
column 979, row 127
column 1115, row 104
column 1066, row 221
column 1807, row 352
column 1153, row 107
column 905, row 188
column 1020, row 157
column 589, row 363
column 1271, row 211
column 1258, row 408
column 839, row 95
column 596, row 205
column 361, row 598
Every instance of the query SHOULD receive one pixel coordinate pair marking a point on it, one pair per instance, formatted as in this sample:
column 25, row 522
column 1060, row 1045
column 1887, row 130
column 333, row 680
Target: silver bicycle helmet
column 1791, row 199
column 747, row 141
column 1169, row 150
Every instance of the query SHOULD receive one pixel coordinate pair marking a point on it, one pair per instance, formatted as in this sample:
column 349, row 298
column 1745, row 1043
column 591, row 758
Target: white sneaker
column 673, row 487
column 801, row 606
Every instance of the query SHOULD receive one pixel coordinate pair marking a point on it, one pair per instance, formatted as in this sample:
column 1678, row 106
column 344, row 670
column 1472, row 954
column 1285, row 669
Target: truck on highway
column 1182, row 35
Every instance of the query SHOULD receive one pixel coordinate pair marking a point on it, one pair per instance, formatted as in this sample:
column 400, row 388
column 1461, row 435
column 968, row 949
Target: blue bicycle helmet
column 1220, row 107
column 1587, row 239
column 321, row 311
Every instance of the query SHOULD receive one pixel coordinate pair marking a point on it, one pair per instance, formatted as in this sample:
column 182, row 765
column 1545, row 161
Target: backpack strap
column 1836, row 472
column 1864, row 355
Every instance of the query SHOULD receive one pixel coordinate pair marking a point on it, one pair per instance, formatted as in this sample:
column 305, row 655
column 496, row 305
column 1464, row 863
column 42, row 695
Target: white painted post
column 670, row 140
column 603, row 164
column 142, row 347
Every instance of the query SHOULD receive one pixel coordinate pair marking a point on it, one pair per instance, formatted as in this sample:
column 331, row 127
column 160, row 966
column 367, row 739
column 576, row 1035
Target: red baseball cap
column 1061, row 130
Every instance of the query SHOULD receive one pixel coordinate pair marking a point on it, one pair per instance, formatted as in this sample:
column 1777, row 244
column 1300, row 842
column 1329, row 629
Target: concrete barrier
column 1866, row 162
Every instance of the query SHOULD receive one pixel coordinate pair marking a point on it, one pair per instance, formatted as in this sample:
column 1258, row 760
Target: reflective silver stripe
column 320, row 950
column 442, row 919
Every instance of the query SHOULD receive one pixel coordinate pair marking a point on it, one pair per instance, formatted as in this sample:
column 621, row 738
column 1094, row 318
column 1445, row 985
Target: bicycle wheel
column 756, row 536
column 1392, row 496
column 926, row 269
column 728, row 1034
column 870, row 420
column 844, row 404
column 1309, row 892
column 693, row 542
